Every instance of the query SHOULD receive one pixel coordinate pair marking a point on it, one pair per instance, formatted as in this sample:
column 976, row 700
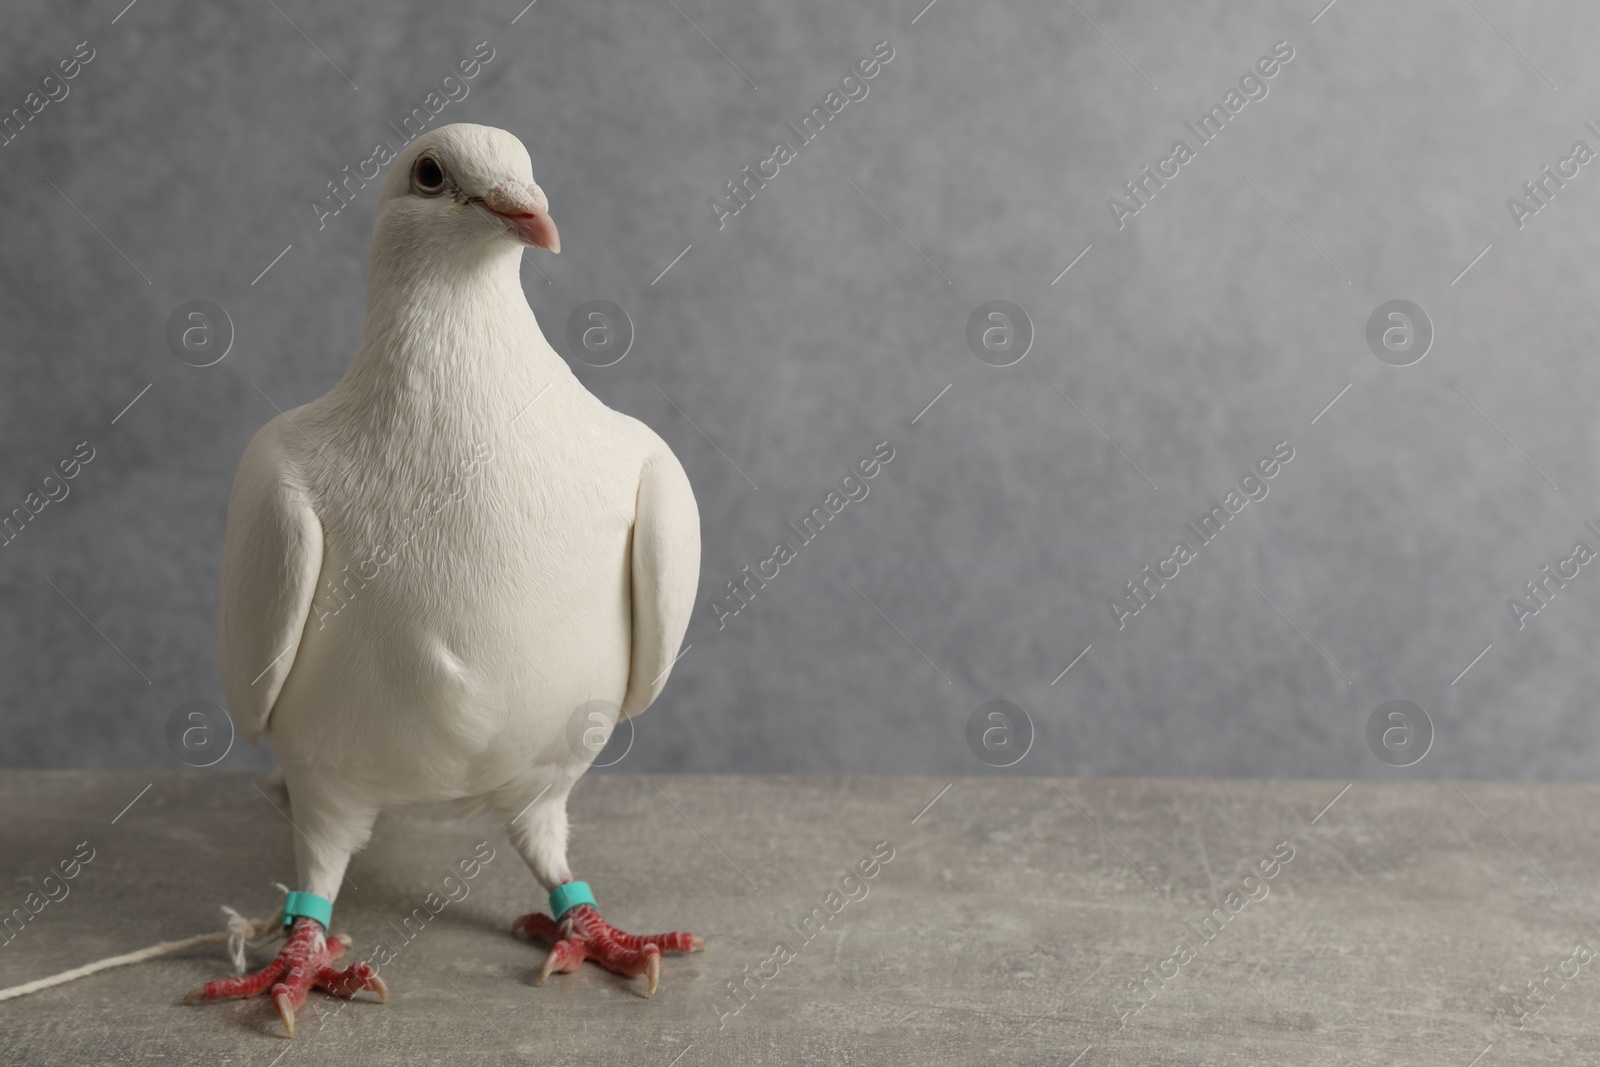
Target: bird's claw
column 304, row 962
column 285, row 1005
column 582, row 934
column 565, row 957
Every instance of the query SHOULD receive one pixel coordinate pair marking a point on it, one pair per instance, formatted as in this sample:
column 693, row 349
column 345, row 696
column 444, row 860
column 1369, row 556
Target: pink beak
column 525, row 209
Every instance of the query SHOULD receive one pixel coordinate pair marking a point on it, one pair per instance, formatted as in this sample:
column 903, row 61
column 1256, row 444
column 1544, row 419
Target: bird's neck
column 446, row 322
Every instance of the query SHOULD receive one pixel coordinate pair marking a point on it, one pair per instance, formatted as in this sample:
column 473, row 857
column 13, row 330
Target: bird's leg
column 306, row 960
column 329, row 826
column 577, row 933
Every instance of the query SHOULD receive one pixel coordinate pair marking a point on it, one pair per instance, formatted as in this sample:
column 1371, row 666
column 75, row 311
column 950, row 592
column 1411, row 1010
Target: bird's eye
column 428, row 175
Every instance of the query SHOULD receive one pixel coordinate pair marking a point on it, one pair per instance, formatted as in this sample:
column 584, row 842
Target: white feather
column 560, row 570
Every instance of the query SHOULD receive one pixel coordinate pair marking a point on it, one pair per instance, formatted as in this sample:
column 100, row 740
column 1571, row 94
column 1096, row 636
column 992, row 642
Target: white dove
column 441, row 573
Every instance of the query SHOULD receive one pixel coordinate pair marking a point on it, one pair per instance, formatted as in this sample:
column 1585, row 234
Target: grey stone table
column 1019, row 920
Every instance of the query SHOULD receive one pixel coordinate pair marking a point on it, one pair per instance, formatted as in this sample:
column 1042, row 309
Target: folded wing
column 271, row 560
column 666, row 572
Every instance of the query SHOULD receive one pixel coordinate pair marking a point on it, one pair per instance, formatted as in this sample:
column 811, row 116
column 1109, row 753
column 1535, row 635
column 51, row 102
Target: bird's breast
column 471, row 601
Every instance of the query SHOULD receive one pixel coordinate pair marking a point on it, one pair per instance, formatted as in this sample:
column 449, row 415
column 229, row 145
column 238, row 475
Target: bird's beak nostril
column 525, row 209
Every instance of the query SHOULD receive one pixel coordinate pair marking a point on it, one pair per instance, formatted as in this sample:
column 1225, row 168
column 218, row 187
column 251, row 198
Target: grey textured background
column 1221, row 320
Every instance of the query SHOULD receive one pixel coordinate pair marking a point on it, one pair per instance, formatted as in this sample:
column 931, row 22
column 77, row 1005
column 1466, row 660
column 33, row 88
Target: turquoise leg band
column 309, row 905
column 563, row 898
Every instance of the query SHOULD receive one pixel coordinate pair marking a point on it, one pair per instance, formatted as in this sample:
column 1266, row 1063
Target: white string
column 241, row 932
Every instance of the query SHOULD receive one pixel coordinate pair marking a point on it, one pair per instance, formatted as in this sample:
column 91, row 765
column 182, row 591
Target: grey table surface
column 1012, row 924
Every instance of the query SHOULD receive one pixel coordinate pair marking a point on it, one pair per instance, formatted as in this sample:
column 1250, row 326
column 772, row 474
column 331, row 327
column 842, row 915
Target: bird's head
column 461, row 187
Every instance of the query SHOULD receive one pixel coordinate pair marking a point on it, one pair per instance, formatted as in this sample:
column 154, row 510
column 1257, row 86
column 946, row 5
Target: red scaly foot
column 582, row 934
column 305, row 960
